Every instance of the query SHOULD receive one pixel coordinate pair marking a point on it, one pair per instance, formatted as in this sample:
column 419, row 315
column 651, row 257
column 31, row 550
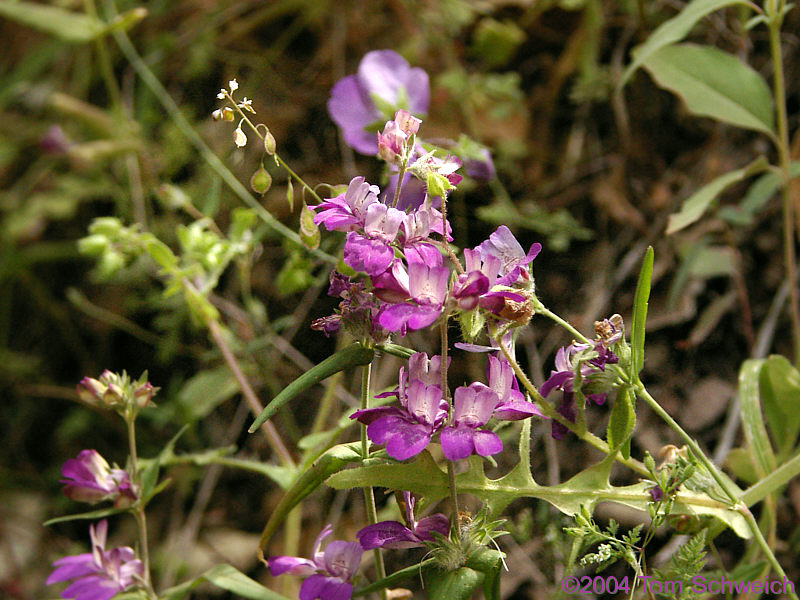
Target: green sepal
column 352, row 356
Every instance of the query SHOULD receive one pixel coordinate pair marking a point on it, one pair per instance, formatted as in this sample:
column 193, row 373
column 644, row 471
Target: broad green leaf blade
column 92, row 514
column 714, row 84
column 332, row 461
column 752, row 420
column 779, row 383
column 673, row 31
column 696, row 205
column 351, row 356
column 227, row 578
column 641, row 297
column 621, row 422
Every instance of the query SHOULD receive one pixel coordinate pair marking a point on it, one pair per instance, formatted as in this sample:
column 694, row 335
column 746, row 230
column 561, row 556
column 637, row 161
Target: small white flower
column 239, row 138
column 247, row 104
column 222, row 94
column 217, row 115
column 233, row 84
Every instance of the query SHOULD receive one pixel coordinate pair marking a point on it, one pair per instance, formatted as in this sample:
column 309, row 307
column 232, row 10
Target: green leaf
column 227, row 578
column 621, row 422
column 394, row 578
column 161, row 254
column 673, row 31
column 740, row 464
column 779, row 383
column 201, row 394
column 330, row 462
column 66, row 25
column 63, row 24
column 452, row 585
column 641, row 297
column 92, row 514
column 698, row 203
column 352, row 356
column 714, row 84
column 752, row 420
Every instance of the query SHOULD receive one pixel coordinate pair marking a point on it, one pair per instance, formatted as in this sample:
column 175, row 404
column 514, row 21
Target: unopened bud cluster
column 116, row 392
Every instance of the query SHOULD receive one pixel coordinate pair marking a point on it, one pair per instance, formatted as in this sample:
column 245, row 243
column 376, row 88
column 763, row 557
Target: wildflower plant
column 388, row 253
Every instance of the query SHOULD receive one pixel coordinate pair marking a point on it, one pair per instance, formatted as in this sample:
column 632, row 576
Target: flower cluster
column 408, row 429
column 116, row 391
column 100, row 574
column 395, row 535
column 582, row 367
column 88, row 478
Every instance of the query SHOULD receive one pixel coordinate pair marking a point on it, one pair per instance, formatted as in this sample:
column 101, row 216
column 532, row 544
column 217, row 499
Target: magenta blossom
column 427, row 291
column 394, row 535
column 472, row 408
column 511, row 405
column 361, row 103
column 99, row 574
column 348, row 211
column 581, row 362
column 406, row 431
column 503, row 246
column 88, row 478
column 328, row 573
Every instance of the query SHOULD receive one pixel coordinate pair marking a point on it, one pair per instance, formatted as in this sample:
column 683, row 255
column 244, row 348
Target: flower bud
column 239, row 138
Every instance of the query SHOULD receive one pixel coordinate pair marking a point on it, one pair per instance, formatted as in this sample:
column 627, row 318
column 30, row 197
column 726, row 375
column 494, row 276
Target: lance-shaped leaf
column 640, row 299
column 391, row 580
column 752, row 419
column 714, row 84
column 351, row 356
column 673, row 30
column 332, row 461
column 698, row 203
column 227, row 578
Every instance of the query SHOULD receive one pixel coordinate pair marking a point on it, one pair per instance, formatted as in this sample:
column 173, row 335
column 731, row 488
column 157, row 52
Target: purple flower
column 511, row 405
column 472, row 407
column 577, row 358
column 503, row 246
column 373, row 253
column 406, row 431
column 348, row 211
column 99, row 574
column 480, row 168
column 88, row 478
column 383, row 84
column 327, row 573
column 427, row 288
column 394, row 535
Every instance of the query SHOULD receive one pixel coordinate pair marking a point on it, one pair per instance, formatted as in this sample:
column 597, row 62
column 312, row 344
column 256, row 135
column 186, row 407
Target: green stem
column 138, row 508
column 183, row 125
column 451, row 470
column 774, row 480
column 542, row 310
column 277, row 157
column 774, row 21
column 369, row 493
